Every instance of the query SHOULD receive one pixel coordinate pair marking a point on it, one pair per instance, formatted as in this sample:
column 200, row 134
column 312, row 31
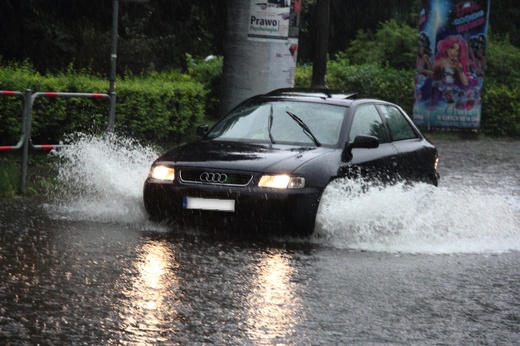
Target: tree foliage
column 502, row 61
column 393, row 45
column 153, row 35
column 156, row 35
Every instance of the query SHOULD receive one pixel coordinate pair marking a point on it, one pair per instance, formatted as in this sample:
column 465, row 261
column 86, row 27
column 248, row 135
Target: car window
column 367, row 122
column 246, row 122
column 251, row 123
column 398, row 125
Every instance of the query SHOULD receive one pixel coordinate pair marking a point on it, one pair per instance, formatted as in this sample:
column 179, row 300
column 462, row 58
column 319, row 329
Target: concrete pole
column 253, row 63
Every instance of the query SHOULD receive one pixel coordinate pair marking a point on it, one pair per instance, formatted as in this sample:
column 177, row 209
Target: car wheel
column 155, row 214
column 303, row 224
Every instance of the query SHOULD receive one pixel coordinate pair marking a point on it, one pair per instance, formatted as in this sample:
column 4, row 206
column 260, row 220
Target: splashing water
column 102, row 180
column 416, row 219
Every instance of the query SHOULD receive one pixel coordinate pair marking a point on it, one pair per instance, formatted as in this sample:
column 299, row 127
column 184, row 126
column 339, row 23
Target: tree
column 53, row 34
column 321, row 26
column 156, row 35
column 393, row 45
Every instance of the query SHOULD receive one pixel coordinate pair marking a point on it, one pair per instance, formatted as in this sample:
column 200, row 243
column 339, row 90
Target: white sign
column 269, row 20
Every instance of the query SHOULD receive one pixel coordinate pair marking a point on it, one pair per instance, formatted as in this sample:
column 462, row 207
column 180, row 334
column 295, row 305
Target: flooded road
column 398, row 265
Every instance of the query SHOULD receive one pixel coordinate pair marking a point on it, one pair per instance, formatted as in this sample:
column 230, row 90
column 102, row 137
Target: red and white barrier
column 25, row 140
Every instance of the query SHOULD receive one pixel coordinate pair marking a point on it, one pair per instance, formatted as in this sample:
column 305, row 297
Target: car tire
column 155, row 215
column 303, row 225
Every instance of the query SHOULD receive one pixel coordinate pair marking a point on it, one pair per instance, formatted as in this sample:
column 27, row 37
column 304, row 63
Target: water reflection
column 274, row 305
column 145, row 313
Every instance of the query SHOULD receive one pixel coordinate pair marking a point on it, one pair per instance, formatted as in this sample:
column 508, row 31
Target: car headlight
column 162, row 173
column 282, row 181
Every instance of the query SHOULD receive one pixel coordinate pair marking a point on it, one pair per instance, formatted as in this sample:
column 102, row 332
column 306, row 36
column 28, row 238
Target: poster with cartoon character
column 450, row 64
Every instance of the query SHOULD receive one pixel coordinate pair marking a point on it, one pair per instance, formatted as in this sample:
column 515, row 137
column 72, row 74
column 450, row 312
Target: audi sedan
column 265, row 165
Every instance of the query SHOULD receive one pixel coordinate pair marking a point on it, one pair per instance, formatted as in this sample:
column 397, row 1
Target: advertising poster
column 450, row 66
column 276, row 24
column 269, row 20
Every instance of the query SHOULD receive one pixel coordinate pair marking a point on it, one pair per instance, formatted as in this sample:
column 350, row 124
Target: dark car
column 266, row 164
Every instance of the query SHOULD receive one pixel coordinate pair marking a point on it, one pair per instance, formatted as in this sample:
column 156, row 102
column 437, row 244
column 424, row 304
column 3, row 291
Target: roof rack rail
column 318, row 92
column 350, row 96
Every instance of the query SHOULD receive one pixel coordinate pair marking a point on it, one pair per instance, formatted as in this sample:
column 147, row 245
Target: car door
column 374, row 163
column 415, row 156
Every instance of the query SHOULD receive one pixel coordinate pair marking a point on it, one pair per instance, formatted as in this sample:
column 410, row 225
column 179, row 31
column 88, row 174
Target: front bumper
column 290, row 209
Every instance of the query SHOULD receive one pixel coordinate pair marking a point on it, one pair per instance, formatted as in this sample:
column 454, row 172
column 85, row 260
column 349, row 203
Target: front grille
column 198, row 176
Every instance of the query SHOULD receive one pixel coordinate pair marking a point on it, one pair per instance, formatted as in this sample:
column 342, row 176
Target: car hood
column 243, row 156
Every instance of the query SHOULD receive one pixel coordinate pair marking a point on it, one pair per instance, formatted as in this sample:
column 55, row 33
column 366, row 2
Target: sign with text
column 269, row 20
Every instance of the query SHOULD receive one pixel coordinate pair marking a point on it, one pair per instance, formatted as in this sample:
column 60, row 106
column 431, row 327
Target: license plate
column 208, row 204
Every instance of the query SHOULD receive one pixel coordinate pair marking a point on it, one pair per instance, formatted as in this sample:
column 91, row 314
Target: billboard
column 450, row 65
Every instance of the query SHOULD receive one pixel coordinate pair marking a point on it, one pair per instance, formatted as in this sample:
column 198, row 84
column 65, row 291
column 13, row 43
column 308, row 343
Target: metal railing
column 25, row 139
column 21, row 96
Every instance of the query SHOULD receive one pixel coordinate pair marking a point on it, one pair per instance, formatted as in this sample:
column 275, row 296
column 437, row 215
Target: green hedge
column 367, row 81
column 166, row 106
column 500, row 110
column 500, row 105
column 158, row 108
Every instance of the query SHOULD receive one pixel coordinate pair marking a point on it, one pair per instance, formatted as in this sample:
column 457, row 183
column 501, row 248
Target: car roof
column 316, row 95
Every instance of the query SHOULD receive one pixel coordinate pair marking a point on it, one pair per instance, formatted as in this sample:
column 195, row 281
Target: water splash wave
column 416, row 219
column 102, row 179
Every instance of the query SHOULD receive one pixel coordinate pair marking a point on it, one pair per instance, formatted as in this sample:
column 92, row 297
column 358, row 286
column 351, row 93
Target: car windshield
column 275, row 122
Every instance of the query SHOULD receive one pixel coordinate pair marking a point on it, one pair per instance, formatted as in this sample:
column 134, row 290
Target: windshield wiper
column 270, row 125
column 305, row 128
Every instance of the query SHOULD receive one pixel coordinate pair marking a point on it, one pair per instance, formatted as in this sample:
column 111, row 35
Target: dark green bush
column 366, row 80
column 393, row 45
column 502, row 61
column 17, row 77
column 500, row 110
column 161, row 107
column 209, row 73
column 156, row 108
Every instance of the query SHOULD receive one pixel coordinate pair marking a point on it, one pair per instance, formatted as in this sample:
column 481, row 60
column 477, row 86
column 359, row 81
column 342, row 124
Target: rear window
column 368, row 122
column 399, row 127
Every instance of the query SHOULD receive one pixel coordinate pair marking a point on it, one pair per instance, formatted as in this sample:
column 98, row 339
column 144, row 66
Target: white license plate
column 208, row 204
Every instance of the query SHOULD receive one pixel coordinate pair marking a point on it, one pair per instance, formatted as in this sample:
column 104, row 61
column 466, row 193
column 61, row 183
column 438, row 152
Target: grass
column 9, row 177
column 41, row 174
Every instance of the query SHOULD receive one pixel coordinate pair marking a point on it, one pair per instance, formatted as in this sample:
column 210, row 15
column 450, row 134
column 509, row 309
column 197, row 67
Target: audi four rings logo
column 213, row 177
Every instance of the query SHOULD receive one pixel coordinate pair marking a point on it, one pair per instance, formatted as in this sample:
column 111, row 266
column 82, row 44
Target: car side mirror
column 202, row 130
column 360, row 142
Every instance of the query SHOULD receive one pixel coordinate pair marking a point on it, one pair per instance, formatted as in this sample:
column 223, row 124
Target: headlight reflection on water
column 145, row 314
column 174, row 297
column 274, row 306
